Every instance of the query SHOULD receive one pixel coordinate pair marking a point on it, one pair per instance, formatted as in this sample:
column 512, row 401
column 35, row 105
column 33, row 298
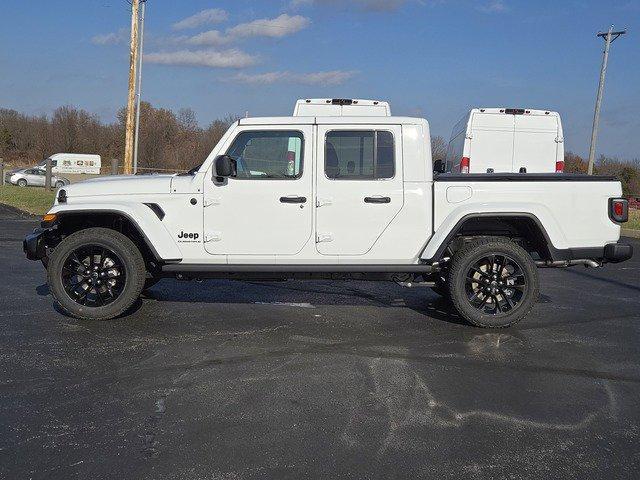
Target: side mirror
column 225, row 167
column 439, row 166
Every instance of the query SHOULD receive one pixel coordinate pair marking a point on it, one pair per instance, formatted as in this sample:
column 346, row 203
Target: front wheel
column 22, row 182
column 59, row 184
column 96, row 274
column 493, row 282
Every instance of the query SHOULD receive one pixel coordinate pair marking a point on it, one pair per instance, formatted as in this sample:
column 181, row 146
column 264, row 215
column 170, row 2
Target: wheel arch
column 522, row 225
column 144, row 228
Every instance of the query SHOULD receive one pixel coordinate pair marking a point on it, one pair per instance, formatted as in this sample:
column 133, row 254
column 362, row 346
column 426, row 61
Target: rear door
column 535, row 143
column 491, row 144
column 359, row 186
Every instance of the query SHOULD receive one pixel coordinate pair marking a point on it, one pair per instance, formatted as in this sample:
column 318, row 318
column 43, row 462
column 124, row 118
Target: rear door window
column 359, row 155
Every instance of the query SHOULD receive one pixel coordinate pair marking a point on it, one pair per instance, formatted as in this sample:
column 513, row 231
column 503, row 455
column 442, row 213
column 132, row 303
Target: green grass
column 634, row 219
column 34, row 200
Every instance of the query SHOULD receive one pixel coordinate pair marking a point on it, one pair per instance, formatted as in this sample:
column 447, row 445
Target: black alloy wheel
column 495, row 284
column 93, row 276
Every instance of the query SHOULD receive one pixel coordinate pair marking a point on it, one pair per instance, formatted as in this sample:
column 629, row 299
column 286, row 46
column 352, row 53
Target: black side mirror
column 225, row 167
column 439, row 166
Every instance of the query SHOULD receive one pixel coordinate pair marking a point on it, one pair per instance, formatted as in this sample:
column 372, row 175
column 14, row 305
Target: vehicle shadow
column 310, row 293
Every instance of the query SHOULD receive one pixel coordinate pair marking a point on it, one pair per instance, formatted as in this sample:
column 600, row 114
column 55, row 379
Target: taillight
column 559, row 167
column 619, row 209
column 464, row 165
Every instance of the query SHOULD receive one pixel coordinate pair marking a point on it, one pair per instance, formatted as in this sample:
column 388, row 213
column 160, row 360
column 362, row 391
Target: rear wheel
column 22, row 182
column 96, row 274
column 493, row 282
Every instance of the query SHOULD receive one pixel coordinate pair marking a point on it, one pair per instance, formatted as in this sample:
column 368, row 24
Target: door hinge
column 323, row 201
column 212, row 237
column 208, row 201
column 324, row 237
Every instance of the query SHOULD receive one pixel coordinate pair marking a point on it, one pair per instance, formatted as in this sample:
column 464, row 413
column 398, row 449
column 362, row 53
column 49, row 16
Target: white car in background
column 506, row 140
column 36, row 177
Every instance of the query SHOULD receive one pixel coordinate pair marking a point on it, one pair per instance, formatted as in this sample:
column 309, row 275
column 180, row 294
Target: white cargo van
column 74, row 163
column 502, row 140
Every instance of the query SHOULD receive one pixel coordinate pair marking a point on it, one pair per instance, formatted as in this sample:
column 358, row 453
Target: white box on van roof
column 506, row 140
column 341, row 107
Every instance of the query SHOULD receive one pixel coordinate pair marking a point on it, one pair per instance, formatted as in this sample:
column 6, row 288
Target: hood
column 121, row 185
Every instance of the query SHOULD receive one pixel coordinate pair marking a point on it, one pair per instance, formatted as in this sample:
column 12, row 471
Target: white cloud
column 494, row 6
column 233, row 58
column 275, row 27
column 205, row 17
column 113, row 38
column 332, row 77
column 212, row 37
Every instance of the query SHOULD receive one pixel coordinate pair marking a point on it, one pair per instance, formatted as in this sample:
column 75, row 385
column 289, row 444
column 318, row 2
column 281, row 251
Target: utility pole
column 609, row 37
column 140, row 55
column 133, row 61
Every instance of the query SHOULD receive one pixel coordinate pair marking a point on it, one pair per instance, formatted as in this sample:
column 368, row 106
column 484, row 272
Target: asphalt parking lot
column 237, row 380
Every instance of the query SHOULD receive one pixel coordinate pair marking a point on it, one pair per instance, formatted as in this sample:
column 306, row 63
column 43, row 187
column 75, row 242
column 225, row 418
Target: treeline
column 168, row 140
column 627, row 172
column 175, row 141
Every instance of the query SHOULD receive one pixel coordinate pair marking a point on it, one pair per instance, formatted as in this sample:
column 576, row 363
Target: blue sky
column 430, row 58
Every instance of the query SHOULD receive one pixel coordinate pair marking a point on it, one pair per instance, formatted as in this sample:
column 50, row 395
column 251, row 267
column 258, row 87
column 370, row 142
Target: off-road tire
column 461, row 264
column 119, row 244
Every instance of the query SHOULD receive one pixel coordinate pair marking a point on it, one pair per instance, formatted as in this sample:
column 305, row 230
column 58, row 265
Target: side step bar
column 193, row 268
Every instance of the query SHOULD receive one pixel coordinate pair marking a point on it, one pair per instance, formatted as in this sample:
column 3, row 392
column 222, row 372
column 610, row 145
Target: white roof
column 320, row 120
column 341, row 107
column 503, row 110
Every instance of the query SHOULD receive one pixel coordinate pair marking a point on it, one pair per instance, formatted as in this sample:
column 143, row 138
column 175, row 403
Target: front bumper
column 34, row 245
column 617, row 252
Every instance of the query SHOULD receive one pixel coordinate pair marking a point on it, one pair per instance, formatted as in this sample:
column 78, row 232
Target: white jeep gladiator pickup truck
column 347, row 193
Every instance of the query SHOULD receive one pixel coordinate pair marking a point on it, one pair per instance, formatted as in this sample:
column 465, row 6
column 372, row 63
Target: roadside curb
column 627, row 232
column 4, row 208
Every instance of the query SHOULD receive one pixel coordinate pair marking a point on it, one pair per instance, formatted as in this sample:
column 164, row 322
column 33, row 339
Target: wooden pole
column 47, row 175
column 133, row 62
column 114, row 166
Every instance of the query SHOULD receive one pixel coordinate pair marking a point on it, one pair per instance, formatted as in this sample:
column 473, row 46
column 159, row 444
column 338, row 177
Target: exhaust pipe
column 587, row 262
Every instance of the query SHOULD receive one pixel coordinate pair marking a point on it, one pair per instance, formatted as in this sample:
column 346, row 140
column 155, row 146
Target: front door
column 267, row 208
column 359, row 186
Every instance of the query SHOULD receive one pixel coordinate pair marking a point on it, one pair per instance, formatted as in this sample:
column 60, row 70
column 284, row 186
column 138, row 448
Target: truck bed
column 572, row 208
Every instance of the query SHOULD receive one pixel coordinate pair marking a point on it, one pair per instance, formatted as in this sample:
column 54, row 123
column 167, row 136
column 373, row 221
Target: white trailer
column 506, row 140
column 74, row 163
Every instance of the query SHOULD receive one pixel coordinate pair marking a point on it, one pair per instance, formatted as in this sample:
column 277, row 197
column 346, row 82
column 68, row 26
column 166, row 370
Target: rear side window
column 268, row 154
column 359, row 155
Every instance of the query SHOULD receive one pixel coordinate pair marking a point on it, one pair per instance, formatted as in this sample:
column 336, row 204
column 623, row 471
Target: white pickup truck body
column 349, row 195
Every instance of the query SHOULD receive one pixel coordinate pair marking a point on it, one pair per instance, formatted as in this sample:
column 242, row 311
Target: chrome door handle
column 377, row 200
column 293, row 199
